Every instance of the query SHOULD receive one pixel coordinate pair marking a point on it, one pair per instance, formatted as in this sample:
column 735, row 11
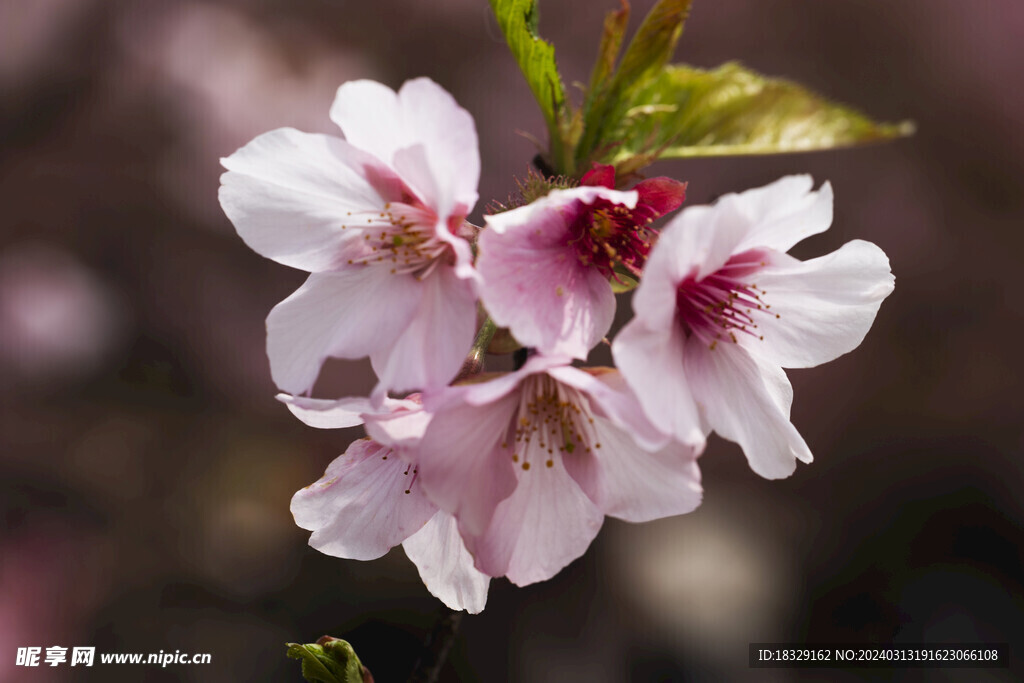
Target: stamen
column 724, row 302
column 551, row 419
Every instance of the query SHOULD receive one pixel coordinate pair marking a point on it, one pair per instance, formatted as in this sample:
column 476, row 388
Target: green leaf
column 648, row 52
column 731, row 110
column 329, row 660
column 536, row 58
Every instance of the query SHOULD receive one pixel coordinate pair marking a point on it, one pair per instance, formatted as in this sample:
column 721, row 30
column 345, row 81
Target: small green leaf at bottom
column 329, row 660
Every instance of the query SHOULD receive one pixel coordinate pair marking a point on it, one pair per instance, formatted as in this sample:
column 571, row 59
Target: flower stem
column 437, row 646
column 474, row 363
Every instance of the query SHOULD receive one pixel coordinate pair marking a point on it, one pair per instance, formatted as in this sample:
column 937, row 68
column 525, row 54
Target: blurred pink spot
column 57, row 319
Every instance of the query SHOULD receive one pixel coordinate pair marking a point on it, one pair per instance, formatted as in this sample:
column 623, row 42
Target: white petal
column 324, row 414
column 696, row 243
column 784, row 212
column 429, row 349
column 633, row 484
column 346, row 314
column 651, row 361
column 375, row 119
column 445, row 566
column 370, row 118
column 448, row 133
column 289, row 193
column 825, row 306
column 533, row 284
column 360, row 509
column 462, row 466
column 546, row 524
column 747, row 402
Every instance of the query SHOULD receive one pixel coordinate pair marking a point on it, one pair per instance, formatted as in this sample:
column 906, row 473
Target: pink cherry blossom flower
column 546, row 267
column 369, row 500
column 529, row 463
column 378, row 219
column 722, row 308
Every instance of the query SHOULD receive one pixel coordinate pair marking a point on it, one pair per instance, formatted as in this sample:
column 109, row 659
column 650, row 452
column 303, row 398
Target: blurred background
column 146, row 471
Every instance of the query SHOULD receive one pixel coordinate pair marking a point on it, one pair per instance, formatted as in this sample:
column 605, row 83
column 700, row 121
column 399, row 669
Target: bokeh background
column 146, row 471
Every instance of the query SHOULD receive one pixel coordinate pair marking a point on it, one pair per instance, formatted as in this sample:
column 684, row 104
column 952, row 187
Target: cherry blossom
column 722, row 308
column 547, row 266
column 530, row 462
column 369, row 500
column 377, row 219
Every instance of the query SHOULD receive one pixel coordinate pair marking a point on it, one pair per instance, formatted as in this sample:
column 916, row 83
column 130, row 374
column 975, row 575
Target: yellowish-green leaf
column 536, row 58
column 731, row 110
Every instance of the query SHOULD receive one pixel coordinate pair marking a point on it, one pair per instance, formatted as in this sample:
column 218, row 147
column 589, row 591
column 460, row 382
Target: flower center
column 725, row 303
column 605, row 234
column 551, row 417
column 400, row 236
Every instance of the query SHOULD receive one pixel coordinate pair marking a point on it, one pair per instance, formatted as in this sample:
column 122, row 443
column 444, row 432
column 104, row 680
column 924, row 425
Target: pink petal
column 401, row 429
column 560, row 200
column 544, row 525
column 533, row 284
column 783, row 213
column 316, row 321
column 482, row 393
column 825, row 306
column 602, row 175
column 445, row 566
column 462, row 466
column 430, row 346
column 660, row 195
column 747, row 402
column 288, row 194
column 633, row 484
column 610, row 398
column 360, row 509
column 651, row 361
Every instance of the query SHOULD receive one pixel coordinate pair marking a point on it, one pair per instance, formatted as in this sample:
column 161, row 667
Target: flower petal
column 376, row 119
column 344, row 314
column 783, row 213
column 634, row 484
column 445, row 566
column 461, row 465
column 533, row 284
column 370, row 117
column 435, row 337
column 697, row 242
column 289, row 193
column 324, row 414
column 658, row 196
column 448, row 133
column 360, row 509
column 747, row 402
column 544, row 525
column 651, row 361
column 822, row 308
